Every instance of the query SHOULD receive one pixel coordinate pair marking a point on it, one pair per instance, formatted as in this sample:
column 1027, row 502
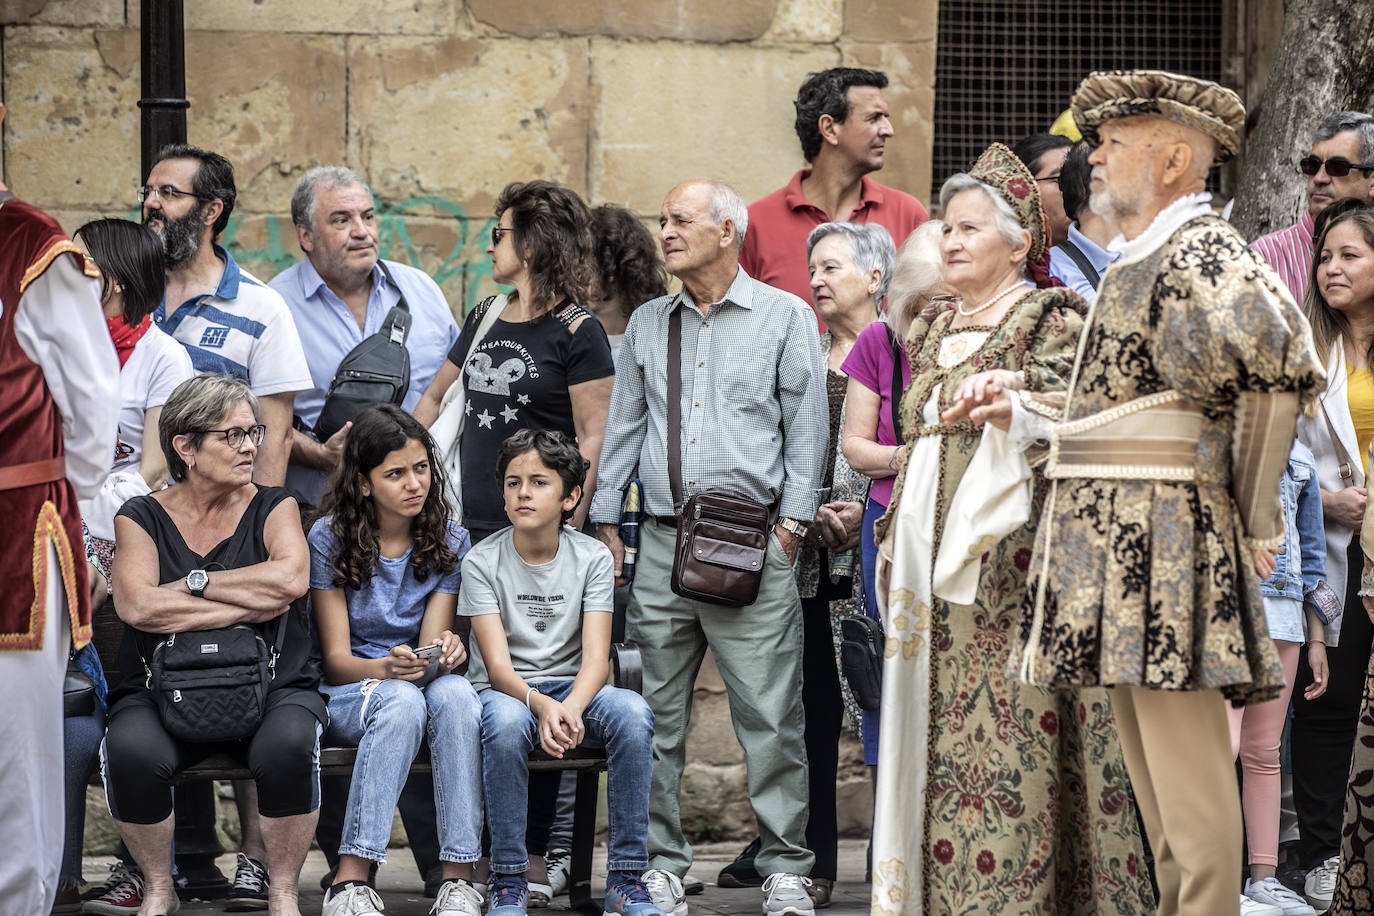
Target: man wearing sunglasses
column 230, row 322
column 1340, row 165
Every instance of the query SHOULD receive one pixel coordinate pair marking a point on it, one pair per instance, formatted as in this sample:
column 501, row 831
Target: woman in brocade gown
column 993, row 797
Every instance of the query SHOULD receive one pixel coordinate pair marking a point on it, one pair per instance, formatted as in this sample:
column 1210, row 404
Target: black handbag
column 78, row 690
column 376, row 371
column 211, row 685
column 861, row 658
column 722, row 536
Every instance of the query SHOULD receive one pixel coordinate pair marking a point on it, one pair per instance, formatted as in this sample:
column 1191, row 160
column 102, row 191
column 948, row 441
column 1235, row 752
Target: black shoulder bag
column 211, row 685
column 376, row 371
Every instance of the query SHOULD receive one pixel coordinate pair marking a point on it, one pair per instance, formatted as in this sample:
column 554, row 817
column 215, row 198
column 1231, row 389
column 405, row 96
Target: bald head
column 701, row 229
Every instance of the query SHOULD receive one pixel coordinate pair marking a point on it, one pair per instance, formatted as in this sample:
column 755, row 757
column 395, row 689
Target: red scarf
column 125, row 336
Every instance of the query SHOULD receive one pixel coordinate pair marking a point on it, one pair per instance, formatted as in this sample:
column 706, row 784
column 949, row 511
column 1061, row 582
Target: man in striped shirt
column 1340, row 165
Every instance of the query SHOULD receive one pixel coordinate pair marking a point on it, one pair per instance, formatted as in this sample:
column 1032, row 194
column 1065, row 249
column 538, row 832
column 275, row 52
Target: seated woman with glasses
column 213, row 550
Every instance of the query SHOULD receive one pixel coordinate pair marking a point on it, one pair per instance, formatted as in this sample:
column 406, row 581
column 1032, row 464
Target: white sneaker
column 354, row 900
column 457, row 898
column 557, row 862
column 665, row 889
column 1321, row 884
column 786, row 893
column 1273, row 893
column 1249, row 907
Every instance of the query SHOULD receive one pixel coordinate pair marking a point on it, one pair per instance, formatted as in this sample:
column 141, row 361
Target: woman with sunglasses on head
column 213, row 551
column 545, row 362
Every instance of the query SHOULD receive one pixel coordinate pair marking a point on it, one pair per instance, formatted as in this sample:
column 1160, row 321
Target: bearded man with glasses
column 1340, row 165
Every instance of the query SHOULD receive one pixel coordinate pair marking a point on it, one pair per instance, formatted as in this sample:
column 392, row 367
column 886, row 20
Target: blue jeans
column 616, row 719
column 386, row 721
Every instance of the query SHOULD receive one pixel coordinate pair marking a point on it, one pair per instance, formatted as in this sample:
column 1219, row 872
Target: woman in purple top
column 870, row 441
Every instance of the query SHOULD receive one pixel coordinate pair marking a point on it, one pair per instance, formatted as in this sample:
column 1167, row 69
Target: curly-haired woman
column 384, row 577
column 629, row 271
column 545, row 363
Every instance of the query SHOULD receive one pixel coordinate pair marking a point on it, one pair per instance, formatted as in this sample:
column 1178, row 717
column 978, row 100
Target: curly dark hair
column 827, row 92
column 377, row 432
column 553, row 234
column 626, row 258
column 558, row 452
column 130, row 256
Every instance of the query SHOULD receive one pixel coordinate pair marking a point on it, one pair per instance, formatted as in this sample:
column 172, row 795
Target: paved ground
column 401, row 887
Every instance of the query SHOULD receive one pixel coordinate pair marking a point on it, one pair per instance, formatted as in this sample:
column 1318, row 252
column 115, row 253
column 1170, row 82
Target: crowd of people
column 1092, row 465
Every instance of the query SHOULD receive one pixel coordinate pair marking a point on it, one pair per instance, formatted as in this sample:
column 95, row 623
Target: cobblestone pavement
column 401, row 887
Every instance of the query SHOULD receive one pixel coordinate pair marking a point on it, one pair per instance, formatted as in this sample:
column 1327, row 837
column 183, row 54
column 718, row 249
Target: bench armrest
column 627, row 668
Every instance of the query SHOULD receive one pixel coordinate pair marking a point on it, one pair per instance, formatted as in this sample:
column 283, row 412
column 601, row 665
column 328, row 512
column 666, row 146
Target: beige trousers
column 1178, row 751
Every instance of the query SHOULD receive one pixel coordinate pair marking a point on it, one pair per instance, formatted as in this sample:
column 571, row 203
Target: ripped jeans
column 386, row 721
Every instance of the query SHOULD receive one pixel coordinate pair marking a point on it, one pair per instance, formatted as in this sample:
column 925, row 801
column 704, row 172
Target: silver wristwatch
column 196, row 580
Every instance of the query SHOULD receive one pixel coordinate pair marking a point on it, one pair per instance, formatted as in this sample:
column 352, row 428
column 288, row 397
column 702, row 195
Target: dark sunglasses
column 497, row 232
column 1336, row 167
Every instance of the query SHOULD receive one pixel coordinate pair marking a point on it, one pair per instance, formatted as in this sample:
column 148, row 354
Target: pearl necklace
column 987, row 305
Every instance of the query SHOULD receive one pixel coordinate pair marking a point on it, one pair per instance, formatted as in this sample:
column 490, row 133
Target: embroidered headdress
column 1200, row 104
column 999, row 168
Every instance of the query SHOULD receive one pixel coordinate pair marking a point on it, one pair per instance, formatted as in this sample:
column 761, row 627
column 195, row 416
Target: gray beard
column 180, row 238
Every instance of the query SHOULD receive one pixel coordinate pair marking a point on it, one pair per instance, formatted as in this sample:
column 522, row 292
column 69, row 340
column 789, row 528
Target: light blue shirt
column 328, row 332
column 1063, row 267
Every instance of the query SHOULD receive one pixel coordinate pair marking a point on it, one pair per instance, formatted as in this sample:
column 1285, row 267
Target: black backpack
column 376, row 371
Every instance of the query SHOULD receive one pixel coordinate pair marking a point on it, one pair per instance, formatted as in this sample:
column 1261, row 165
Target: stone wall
column 440, row 103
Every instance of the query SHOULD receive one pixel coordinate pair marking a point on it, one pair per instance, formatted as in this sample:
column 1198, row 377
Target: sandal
column 820, row 892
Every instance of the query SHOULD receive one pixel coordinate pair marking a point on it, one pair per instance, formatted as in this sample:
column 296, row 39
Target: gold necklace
column 987, row 305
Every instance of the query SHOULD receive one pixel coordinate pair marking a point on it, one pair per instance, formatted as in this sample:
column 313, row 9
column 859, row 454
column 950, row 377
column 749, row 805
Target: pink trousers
column 1256, row 732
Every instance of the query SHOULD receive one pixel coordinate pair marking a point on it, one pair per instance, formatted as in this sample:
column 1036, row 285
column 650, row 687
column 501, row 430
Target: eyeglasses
column 497, row 232
column 234, row 435
column 166, row 192
column 1336, row 167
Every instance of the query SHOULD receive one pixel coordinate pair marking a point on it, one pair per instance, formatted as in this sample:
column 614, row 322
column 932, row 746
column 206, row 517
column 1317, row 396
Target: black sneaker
column 250, row 886
column 741, row 872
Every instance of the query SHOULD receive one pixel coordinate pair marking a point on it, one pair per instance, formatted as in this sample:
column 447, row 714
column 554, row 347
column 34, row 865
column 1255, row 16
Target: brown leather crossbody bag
column 722, row 535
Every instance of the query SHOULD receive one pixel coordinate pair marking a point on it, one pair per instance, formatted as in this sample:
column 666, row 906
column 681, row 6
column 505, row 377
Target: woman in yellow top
column 1340, row 308
column 1341, row 300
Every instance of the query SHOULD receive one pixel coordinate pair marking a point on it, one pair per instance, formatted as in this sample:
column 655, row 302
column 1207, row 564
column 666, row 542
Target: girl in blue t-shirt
column 384, row 577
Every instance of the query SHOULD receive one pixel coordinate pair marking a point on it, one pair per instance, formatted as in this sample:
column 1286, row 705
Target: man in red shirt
column 843, row 125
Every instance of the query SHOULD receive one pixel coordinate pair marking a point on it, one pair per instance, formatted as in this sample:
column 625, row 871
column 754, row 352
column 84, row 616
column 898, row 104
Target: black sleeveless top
column 297, row 678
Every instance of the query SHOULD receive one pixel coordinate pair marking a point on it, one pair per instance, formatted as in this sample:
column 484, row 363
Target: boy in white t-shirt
column 539, row 595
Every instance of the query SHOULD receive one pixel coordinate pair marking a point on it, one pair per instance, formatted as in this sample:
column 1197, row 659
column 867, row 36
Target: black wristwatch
column 196, row 580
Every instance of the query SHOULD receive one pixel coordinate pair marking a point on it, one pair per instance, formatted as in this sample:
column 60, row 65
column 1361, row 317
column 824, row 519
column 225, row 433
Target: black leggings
column 139, row 761
column 824, row 705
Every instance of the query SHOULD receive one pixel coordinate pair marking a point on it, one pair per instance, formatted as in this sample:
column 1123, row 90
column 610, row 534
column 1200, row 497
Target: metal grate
column 1006, row 68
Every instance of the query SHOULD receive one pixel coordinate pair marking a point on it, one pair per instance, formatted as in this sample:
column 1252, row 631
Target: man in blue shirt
column 340, row 294
column 1082, row 258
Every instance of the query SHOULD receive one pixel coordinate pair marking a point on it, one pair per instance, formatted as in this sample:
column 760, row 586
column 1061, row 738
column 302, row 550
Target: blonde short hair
column 918, row 271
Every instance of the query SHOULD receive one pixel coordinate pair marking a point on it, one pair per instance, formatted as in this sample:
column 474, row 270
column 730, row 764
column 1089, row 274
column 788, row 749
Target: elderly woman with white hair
column 878, row 374
column 850, row 266
column 992, row 796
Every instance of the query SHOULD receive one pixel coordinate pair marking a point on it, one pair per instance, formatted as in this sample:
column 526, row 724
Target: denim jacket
column 1301, row 561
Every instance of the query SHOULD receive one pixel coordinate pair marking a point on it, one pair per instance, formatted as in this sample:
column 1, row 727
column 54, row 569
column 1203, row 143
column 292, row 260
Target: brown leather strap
column 674, row 430
column 33, row 473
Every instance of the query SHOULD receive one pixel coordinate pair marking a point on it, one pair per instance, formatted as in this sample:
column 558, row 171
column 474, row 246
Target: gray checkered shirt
column 754, row 413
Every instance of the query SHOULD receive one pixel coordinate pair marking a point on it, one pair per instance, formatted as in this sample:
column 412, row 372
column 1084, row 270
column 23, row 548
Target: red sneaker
column 121, row 894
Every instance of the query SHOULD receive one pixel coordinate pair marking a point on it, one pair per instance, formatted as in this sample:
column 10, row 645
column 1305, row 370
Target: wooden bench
column 588, row 763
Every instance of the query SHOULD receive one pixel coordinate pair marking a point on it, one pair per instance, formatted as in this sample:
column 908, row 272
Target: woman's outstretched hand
column 983, row 398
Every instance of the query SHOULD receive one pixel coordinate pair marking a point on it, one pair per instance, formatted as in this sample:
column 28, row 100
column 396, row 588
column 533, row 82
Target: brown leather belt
column 33, row 473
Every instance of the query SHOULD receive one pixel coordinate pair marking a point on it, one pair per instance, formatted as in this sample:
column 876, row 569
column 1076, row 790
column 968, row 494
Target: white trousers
column 31, row 817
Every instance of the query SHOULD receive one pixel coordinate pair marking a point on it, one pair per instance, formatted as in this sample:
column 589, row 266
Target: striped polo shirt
column 1289, row 252
column 242, row 329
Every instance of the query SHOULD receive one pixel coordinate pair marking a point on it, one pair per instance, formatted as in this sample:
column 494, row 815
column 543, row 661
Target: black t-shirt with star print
column 518, row 378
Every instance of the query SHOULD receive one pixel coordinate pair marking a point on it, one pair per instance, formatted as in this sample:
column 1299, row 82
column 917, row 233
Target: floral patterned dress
column 993, row 797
